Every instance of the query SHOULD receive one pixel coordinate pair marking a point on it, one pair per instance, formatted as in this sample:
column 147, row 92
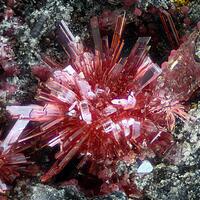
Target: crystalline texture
column 96, row 34
column 103, row 107
column 93, row 99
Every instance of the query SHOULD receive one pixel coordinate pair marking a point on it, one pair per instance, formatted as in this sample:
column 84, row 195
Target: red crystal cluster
column 12, row 161
column 103, row 107
column 95, row 106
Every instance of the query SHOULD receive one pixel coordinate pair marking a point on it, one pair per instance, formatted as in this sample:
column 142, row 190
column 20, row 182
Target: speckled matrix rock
column 39, row 191
column 180, row 181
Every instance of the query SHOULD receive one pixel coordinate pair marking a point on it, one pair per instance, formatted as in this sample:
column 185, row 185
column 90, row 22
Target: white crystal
column 131, row 99
column 22, row 112
column 73, row 106
column 145, row 168
column 109, row 110
column 85, row 89
column 99, row 91
column 85, row 111
column 14, row 133
column 108, row 126
column 130, row 126
column 126, row 103
column 68, row 96
column 70, row 70
column 131, row 121
column 126, row 127
column 137, row 129
column 72, row 113
column 119, row 102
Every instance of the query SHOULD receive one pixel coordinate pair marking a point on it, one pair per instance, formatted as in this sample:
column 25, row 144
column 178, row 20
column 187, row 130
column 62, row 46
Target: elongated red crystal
column 12, row 160
column 170, row 28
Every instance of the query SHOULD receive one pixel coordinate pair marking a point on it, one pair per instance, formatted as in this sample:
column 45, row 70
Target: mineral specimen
column 102, row 107
column 95, row 106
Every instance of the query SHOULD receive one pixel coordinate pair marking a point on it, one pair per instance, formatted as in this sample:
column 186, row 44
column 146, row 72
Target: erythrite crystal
column 102, row 107
column 107, row 19
column 12, row 161
column 179, row 80
column 137, row 12
column 170, row 28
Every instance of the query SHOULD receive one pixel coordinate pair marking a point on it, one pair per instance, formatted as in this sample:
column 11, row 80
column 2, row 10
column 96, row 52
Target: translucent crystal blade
column 14, row 133
column 85, row 111
column 118, row 31
column 96, row 34
column 138, row 53
column 170, row 28
column 145, row 77
column 67, row 40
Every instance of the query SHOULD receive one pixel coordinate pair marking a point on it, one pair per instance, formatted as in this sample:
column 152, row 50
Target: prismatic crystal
column 12, row 160
column 103, row 107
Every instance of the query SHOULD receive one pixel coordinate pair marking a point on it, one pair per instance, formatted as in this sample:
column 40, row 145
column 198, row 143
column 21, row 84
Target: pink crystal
column 185, row 10
column 12, row 161
column 14, row 134
column 170, row 28
column 137, row 12
column 41, row 71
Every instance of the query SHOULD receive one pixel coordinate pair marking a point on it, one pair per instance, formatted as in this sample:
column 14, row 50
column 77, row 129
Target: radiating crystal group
column 102, row 107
